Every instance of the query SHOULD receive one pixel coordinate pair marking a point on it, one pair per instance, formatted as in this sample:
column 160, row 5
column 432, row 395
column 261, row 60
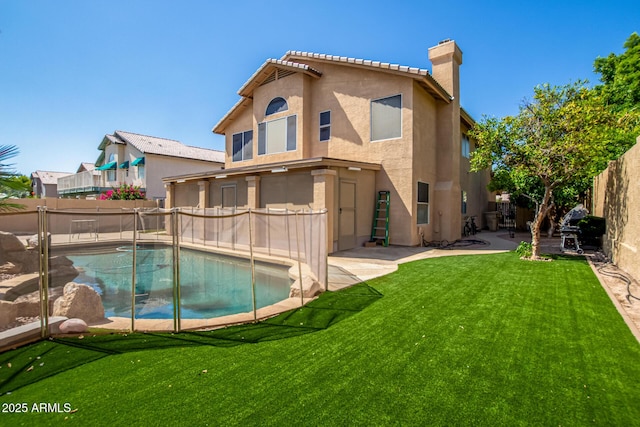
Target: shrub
column 524, row 249
column 124, row 192
column 591, row 229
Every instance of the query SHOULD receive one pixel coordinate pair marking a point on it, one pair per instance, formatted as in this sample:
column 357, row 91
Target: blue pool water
column 210, row 285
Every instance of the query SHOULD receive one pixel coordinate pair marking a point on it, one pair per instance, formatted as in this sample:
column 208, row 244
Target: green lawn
column 469, row 340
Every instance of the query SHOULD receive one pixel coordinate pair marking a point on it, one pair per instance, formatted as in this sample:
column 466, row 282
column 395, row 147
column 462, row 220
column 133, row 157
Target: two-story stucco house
column 318, row 131
column 142, row 160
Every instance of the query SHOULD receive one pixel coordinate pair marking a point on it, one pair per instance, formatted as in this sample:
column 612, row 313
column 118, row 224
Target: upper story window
column 277, row 136
column 325, row 125
column 465, row 146
column 277, row 105
column 386, row 118
column 242, row 146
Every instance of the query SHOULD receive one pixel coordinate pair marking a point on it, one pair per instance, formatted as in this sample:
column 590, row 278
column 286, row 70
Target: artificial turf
column 468, row 340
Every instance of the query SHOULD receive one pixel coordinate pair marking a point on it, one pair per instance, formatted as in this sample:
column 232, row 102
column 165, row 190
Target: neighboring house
column 45, row 183
column 85, row 183
column 141, row 160
column 318, row 131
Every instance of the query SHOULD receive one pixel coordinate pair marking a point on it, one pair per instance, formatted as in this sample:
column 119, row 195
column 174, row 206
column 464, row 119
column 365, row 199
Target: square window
column 386, row 118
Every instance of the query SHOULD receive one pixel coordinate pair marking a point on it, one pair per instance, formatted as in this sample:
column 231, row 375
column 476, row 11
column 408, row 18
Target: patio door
column 346, row 215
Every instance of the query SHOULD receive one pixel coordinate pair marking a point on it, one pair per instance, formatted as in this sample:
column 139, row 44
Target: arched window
column 277, row 105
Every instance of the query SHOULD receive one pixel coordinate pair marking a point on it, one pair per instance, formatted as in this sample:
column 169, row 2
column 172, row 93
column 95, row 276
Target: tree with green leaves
column 8, row 183
column 620, row 91
column 565, row 134
column 620, row 76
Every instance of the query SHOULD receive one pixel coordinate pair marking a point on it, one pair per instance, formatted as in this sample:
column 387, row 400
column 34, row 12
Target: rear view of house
column 316, row 131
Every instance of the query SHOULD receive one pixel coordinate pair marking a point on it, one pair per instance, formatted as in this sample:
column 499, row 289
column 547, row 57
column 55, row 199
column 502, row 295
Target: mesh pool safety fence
column 155, row 269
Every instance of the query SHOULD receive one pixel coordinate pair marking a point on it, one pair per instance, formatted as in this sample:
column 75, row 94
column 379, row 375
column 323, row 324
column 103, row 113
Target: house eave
column 312, row 163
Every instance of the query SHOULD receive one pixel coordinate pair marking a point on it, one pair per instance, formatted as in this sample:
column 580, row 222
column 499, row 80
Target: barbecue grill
column 570, row 231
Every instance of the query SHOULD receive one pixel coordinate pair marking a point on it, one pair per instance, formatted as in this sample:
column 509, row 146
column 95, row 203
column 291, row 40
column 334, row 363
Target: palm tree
column 6, row 177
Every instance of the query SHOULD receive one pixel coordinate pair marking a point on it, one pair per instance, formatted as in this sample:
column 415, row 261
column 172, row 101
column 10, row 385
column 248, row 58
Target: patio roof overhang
column 287, row 166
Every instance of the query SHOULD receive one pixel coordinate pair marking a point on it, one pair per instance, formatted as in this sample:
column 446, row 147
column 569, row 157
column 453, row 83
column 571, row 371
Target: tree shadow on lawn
column 44, row 359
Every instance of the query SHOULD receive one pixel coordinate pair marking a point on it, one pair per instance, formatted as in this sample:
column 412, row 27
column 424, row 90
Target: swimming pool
column 211, row 285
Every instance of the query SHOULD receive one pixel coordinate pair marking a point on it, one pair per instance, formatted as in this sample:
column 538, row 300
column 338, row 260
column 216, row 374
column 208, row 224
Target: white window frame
column 243, row 148
column 422, row 203
column 371, row 119
column 286, row 106
column 286, row 137
column 325, row 126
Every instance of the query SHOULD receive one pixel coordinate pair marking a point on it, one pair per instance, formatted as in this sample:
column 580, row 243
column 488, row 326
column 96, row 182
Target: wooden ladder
column 380, row 227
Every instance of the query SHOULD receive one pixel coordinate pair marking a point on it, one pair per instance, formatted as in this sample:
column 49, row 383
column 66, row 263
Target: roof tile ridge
column 148, row 136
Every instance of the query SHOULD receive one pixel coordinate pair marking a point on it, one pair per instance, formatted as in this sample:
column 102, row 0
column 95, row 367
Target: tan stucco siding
column 216, row 188
column 158, row 167
column 365, row 202
column 242, row 122
column 424, row 159
column 186, row 195
column 292, row 89
column 348, row 93
column 291, row 191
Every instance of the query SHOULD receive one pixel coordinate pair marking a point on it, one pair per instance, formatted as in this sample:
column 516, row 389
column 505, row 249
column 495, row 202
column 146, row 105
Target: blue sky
column 73, row 71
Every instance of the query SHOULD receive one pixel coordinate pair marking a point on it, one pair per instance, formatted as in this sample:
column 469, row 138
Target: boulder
column 10, row 245
column 81, row 301
column 71, row 326
column 8, row 313
column 32, row 241
column 28, row 259
column 10, row 268
column 29, row 305
column 310, row 288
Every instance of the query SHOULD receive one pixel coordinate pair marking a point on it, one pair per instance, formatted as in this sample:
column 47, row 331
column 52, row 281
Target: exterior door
column 347, row 215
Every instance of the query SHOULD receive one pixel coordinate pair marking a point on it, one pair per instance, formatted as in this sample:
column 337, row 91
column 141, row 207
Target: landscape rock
column 28, row 259
column 8, row 313
column 310, row 288
column 32, row 241
column 81, row 301
column 29, row 305
column 10, row 268
column 9, row 246
column 71, row 326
